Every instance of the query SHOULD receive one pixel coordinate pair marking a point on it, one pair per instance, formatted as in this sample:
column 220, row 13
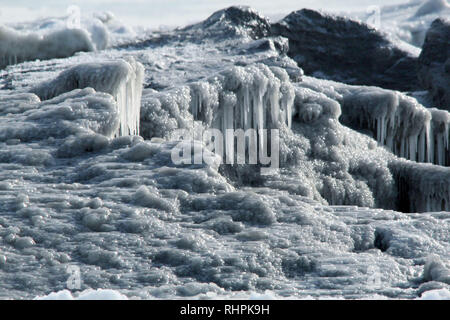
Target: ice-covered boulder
column 16, row 47
column 434, row 60
column 122, row 79
column 345, row 50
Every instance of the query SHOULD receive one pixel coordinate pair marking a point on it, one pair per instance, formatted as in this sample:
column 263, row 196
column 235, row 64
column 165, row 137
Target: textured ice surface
column 75, row 193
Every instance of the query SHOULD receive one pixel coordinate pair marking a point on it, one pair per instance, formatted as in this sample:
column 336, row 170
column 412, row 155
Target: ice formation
column 79, row 187
column 60, row 37
column 16, row 47
column 253, row 97
column 395, row 120
column 122, row 79
column 422, row 187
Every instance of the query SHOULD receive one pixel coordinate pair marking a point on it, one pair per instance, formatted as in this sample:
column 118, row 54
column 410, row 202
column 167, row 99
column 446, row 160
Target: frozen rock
column 81, row 111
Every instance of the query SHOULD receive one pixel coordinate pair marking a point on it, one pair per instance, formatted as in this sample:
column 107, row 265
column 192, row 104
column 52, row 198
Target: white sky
column 155, row 13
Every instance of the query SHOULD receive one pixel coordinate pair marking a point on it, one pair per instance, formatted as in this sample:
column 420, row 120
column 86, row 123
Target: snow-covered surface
column 79, row 188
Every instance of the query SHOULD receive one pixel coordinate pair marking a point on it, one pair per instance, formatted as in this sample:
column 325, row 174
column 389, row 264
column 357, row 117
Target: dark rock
column 434, row 63
column 345, row 50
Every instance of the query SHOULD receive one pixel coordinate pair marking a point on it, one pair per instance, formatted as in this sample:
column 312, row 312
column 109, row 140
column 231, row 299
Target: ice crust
column 79, row 187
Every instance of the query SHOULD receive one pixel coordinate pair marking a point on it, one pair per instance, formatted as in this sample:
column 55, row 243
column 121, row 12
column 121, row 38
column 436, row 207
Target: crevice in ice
column 122, row 79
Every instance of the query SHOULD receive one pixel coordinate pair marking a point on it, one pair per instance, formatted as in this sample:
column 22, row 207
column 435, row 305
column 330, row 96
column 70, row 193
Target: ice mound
column 16, row 47
column 434, row 73
column 164, row 112
column 345, row 50
column 439, row 294
column 60, row 37
column 122, row 79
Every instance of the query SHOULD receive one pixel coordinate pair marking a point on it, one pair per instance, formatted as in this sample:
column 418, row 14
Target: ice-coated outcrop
column 164, row 112
column 122, row 79
column 434, row 60
column 16, row 47
column 345, row 50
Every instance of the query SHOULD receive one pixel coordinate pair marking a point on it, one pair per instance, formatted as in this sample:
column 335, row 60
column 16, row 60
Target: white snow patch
column 438, row 294
column 89, row 294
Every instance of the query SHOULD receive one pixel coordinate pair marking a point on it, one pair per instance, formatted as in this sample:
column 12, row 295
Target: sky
column 169, row 13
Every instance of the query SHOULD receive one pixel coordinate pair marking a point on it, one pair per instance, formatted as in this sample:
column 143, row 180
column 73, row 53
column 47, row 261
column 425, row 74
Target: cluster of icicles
column 253, row 97
column 401, row 124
